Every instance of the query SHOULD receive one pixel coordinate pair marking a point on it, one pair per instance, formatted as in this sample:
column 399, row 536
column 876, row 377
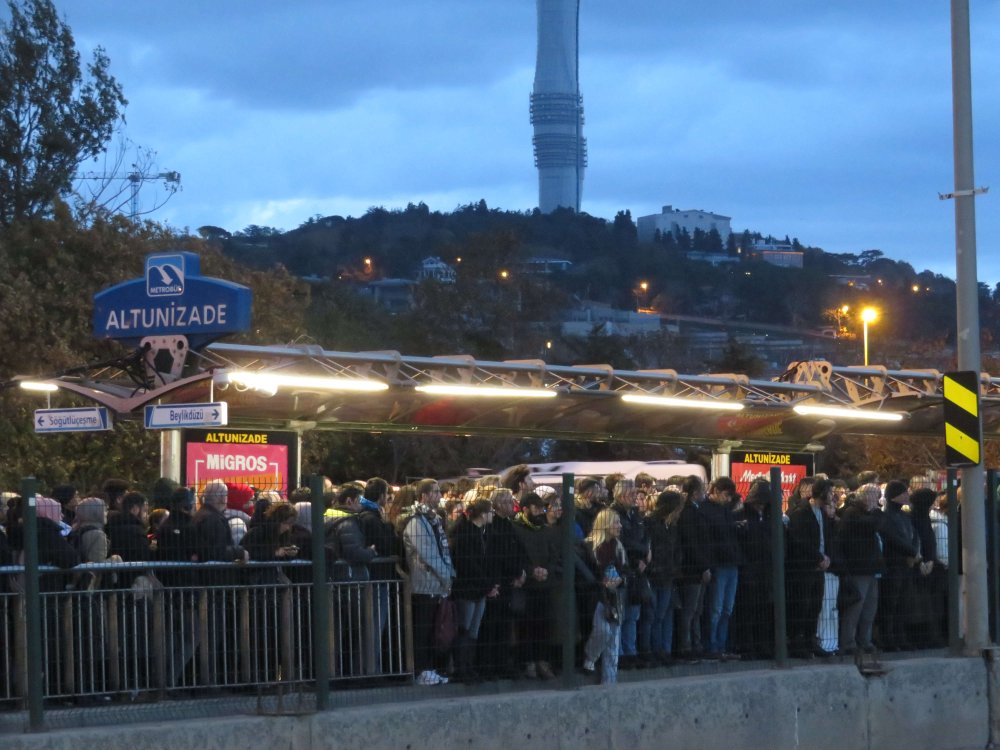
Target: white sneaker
column 429, row 677
column 442, row 680
column 588, row 665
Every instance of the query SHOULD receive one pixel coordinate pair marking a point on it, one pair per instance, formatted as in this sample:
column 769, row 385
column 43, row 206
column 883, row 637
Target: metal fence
column 101, row 638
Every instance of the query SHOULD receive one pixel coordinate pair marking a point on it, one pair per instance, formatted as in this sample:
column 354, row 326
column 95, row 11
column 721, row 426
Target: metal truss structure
column 588, row 403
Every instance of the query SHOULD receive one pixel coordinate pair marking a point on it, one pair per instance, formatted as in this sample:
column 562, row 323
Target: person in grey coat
column 431, row 572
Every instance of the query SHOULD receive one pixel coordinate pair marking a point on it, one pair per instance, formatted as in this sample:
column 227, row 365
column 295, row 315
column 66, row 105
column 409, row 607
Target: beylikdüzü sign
column 172, row 298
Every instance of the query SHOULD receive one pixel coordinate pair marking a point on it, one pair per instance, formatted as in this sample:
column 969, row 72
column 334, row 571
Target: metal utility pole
column 973, row 478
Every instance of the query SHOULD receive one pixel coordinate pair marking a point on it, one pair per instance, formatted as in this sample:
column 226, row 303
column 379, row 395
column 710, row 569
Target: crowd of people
column 678, row 573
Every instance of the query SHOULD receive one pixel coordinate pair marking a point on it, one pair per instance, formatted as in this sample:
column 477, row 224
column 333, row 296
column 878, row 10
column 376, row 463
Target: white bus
column 661, row 471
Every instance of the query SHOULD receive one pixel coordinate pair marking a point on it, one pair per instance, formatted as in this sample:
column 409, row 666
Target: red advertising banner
column 745, row 466
column 264, row 460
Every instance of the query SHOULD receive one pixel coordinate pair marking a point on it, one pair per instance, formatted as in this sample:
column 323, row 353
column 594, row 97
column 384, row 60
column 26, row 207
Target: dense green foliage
column 53, row 117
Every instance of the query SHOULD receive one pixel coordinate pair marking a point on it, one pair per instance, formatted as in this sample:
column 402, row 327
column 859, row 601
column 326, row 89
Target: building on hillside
column 602, row 318
column 777, row 254
column 436, row 269
column 674, row 220
column 545, row 266
column 716, row 259
column 396, row 295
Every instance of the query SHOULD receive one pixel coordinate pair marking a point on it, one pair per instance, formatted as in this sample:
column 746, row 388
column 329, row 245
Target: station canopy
column 303, row 387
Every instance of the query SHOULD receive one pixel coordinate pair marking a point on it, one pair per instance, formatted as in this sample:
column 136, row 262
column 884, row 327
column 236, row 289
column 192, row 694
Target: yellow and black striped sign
column 962, row 430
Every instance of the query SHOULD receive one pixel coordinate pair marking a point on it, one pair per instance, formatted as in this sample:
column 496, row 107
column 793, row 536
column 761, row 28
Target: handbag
column 640, row 590
column 445, row 624
column 610, row 599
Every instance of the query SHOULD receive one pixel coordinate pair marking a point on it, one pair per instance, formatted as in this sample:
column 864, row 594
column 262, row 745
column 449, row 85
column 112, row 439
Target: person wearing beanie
column 239, row 506
column 163, row 491
column 68, row 497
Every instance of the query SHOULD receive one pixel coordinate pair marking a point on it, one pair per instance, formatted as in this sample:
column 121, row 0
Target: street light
column 640, row 296
column 842, row 310
column 868, row 315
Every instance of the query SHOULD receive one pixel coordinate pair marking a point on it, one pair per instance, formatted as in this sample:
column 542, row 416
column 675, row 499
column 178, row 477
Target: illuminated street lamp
column 842, row 310
column 868, row 315
column 640, row 296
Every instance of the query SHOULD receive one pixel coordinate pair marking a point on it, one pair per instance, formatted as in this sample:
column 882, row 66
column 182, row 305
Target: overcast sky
column 826, row 121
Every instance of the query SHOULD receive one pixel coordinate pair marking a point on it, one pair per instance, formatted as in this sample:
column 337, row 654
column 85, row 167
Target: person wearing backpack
column 349, row 558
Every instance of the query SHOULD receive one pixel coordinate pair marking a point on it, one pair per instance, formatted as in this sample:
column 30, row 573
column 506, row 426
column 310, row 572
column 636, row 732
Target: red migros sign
column 265, row 460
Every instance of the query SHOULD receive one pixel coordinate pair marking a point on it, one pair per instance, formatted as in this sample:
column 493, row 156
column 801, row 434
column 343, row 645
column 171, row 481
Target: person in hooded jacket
column 929, row 580
column 753, row 613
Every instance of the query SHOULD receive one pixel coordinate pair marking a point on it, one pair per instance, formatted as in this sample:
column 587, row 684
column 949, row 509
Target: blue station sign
column 172, row 298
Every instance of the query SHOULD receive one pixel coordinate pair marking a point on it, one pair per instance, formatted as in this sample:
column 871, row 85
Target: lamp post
column 868, row 315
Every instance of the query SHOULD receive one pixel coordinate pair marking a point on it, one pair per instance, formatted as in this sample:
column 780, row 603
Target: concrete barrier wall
column 935, row 703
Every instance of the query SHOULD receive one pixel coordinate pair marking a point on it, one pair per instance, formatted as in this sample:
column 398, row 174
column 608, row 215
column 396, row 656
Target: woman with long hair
column 608, row 555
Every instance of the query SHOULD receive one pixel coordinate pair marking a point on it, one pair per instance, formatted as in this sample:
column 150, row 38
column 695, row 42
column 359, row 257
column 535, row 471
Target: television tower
column 557, row 107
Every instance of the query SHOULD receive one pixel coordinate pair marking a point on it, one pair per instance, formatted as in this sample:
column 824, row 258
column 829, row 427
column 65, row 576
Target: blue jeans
column 722, row 597
column 630, row 618
column 662, row 631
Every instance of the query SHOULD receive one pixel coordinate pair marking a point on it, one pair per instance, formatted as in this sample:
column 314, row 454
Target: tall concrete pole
column 557, row 107
column 973, row 478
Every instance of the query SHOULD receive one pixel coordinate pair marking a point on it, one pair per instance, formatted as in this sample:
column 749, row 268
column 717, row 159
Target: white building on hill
column 674, row 220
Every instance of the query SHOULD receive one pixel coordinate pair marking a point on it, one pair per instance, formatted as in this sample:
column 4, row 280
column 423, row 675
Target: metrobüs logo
column 165, row 276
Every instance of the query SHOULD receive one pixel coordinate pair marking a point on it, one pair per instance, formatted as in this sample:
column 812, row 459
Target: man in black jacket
column 810, row 542
column 379, row 534
column 753, row 613
column 902, row 556
column 346, row 544
column 726, row 559
column 508, row 564
column 213, row 536
column 214, row 543
column 696, row 567
column 860, row 562
column 127, row 530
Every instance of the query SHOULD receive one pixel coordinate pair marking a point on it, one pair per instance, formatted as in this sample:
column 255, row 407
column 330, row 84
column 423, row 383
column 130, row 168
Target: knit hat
column 894, row 489
column 239, row 496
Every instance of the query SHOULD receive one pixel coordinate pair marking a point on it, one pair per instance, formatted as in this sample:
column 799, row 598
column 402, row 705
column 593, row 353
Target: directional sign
column 176, row 416
column 84, row 419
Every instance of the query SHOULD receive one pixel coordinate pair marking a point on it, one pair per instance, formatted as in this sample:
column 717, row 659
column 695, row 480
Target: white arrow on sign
column 176, row 416
column 83, row 419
